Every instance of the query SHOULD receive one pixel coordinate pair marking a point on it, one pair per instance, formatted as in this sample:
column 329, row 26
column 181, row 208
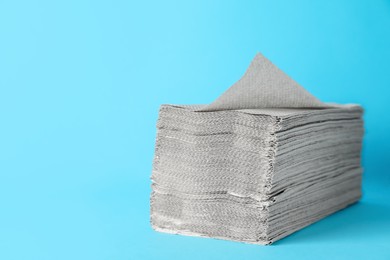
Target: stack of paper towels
column 264, row 160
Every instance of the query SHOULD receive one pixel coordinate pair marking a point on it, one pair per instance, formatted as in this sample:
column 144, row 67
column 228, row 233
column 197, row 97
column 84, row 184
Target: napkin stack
column 264, row 160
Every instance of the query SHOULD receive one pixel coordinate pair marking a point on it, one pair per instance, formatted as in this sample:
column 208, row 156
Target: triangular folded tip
column 264, row 86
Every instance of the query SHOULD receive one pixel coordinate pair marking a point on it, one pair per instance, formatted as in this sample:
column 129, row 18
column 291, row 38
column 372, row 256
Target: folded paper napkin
column 264, row 160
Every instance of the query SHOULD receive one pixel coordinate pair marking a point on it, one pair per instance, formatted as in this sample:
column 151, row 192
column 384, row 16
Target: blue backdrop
column 80, row 87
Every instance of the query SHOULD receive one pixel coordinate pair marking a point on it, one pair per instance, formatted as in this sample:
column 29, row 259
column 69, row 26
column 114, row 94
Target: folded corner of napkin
column 264, row 86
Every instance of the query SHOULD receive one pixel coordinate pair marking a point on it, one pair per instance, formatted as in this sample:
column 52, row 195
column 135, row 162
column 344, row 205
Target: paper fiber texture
column 264, row 160
column 264, row 86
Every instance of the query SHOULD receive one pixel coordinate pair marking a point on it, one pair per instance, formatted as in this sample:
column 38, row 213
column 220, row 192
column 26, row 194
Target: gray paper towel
column 264, row 160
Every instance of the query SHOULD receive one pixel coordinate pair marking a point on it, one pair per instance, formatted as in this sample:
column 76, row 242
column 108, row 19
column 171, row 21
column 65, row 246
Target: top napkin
column 264, row 86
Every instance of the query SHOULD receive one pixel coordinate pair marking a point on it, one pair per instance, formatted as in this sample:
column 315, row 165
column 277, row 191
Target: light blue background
column 80, row 87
